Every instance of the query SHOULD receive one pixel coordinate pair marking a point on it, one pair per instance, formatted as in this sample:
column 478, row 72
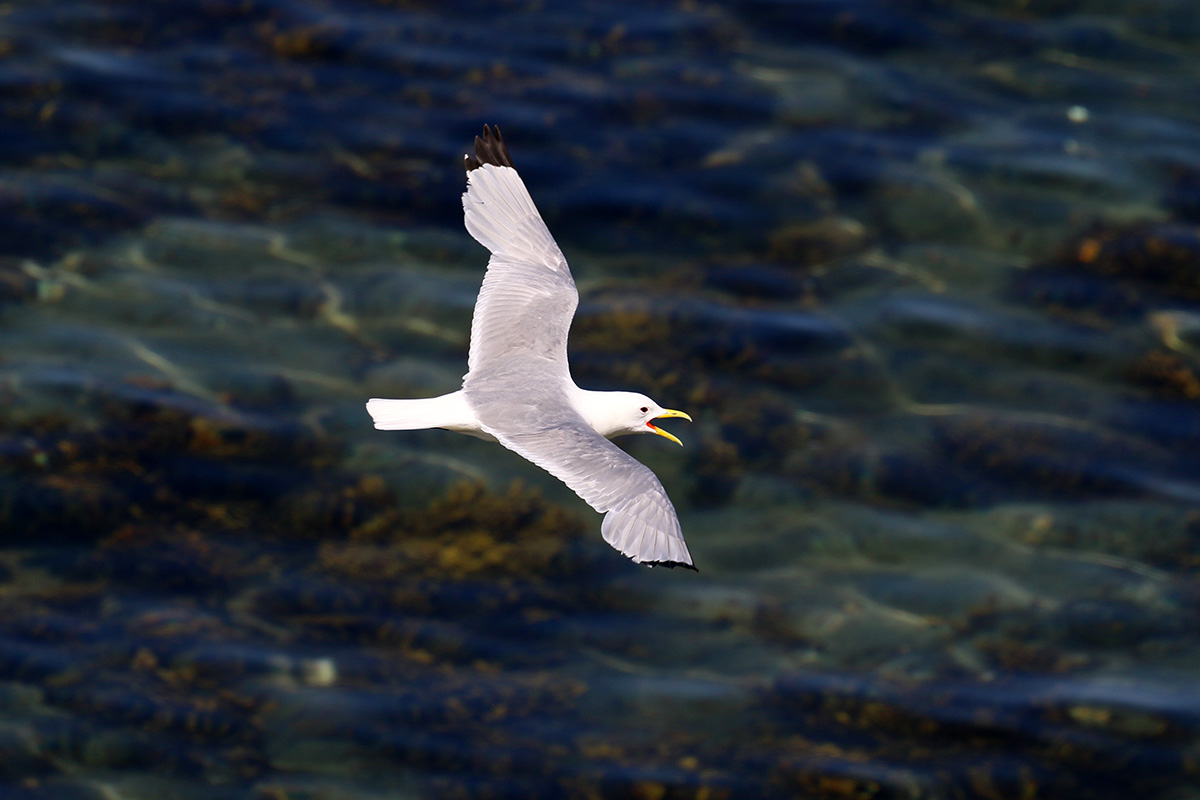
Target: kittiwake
column 518, row 389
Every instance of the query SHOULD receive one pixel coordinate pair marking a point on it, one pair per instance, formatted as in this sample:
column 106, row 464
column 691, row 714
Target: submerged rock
column 1109, row 273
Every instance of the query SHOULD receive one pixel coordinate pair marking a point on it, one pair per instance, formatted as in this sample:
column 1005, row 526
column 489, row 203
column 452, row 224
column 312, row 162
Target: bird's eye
column 644, row 409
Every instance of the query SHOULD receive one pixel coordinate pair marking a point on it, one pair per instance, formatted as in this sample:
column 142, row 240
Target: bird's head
column 635, row 413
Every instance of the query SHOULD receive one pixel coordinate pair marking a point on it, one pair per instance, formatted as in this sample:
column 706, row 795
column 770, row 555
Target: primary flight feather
column 518, row 388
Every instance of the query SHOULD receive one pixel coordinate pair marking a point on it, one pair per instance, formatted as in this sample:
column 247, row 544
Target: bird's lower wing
column 639, row 518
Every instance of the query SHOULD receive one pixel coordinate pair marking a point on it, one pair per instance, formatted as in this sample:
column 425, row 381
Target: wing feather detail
column 528, row 297
column 639, row 520
column 498, row 210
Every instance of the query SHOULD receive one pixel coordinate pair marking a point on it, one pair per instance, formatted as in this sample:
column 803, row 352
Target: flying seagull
column 518, row 389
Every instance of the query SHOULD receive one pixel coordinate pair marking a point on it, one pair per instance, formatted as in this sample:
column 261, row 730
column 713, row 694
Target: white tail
column 448, row 411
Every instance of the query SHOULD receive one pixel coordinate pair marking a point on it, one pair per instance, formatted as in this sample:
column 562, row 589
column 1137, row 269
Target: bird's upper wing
column 528, row 297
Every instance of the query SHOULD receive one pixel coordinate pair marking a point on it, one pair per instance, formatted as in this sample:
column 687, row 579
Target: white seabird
column 518, row 389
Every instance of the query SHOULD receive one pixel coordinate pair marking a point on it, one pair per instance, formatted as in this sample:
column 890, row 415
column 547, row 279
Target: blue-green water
column 926, row 275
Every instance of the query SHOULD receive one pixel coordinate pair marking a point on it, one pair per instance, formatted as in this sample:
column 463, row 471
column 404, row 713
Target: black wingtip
column 669, row 565
column 489, row 149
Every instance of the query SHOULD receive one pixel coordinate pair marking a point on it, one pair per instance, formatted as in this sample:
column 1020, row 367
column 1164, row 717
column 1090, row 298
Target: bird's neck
column 599, row 409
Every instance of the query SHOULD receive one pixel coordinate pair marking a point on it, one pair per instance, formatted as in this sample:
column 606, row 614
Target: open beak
column 668, row 413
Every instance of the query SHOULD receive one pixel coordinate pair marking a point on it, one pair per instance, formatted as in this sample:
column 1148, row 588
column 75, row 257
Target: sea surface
column 926, row 274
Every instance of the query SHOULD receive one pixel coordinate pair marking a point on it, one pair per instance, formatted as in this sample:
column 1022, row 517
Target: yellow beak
column 668, row 413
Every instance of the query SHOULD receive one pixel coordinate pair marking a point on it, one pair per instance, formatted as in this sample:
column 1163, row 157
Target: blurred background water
column 925, row 272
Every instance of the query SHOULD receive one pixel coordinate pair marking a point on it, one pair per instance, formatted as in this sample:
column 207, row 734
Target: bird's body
column 518, row 388
column 452, row 412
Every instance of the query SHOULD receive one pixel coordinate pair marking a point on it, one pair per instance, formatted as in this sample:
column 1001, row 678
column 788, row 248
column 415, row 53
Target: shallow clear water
column 926, row 275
